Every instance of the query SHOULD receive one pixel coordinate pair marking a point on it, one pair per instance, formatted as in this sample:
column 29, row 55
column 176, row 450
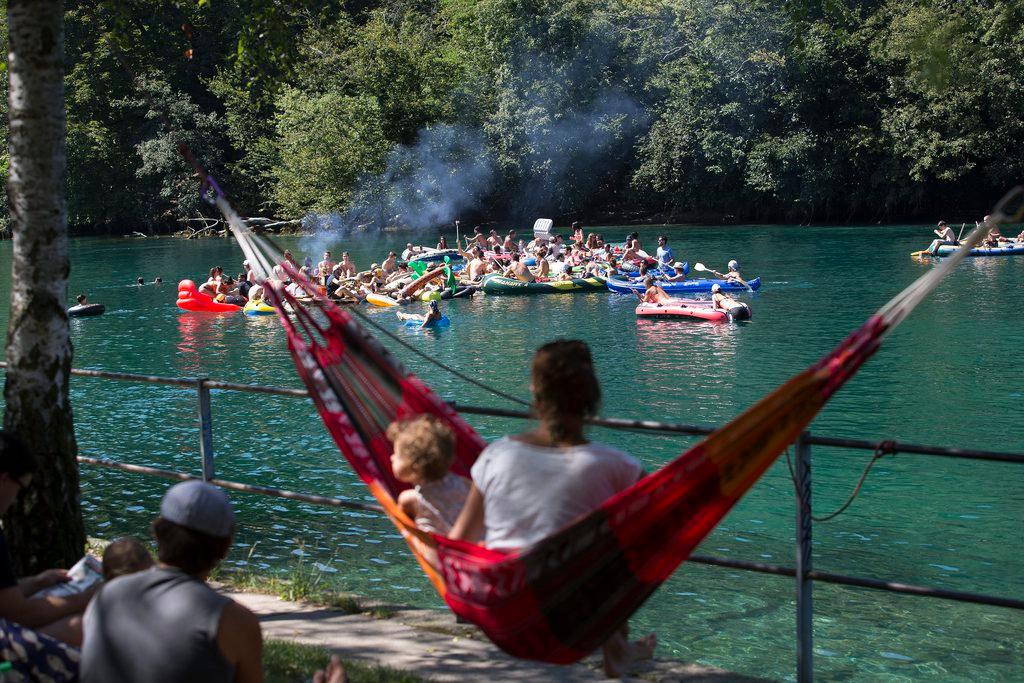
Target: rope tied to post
column 882, row 449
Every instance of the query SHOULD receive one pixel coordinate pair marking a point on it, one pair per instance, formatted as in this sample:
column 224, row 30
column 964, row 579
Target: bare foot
column 620, row 654
column 334, row 673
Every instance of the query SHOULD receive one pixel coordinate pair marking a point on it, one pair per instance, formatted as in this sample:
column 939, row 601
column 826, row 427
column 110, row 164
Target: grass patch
column 287, row 662
column 302, row 582
column 96, row 546
column 297, row 585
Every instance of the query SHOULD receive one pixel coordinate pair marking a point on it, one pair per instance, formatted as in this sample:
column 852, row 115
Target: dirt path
column 430, row 644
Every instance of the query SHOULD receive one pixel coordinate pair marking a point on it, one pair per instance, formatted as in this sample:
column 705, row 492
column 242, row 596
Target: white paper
column 86, row 573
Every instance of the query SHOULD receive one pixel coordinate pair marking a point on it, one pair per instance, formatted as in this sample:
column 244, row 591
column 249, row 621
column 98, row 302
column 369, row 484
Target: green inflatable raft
column 507, row 286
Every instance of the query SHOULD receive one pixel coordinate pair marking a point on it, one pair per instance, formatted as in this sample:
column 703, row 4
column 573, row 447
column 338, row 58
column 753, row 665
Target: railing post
column 205, row 429
column 804, row 586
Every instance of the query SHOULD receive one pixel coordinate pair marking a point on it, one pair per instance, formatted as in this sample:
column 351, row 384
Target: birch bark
column 45, row 527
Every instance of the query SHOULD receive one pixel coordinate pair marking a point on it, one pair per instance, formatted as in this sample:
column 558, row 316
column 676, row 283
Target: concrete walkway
column 430, row 644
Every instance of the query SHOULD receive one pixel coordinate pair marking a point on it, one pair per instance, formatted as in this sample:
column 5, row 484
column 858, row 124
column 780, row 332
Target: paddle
column 925, row 253
column 700, row 268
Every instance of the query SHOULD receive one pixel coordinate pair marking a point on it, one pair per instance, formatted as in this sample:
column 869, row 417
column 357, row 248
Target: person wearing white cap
column 733, row 275
column 166, row 623
column 722, row 302
column 250, row 274
column 678, row 273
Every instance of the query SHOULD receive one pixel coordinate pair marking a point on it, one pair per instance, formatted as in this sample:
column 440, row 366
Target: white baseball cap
column 200, row 507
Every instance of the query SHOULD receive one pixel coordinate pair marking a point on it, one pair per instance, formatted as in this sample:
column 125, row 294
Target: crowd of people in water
column 160, row 620
column 546, row 258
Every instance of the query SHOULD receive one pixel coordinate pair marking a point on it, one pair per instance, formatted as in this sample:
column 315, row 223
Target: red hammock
column 560, row 599
column 540, row 602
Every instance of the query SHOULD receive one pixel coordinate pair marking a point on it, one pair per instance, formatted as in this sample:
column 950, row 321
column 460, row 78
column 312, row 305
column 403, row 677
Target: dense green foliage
column 422, row 111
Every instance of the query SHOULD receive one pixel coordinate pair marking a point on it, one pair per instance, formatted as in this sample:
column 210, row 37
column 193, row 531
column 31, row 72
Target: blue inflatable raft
column 443, row 322
column 621, row 285
column 1009, row 250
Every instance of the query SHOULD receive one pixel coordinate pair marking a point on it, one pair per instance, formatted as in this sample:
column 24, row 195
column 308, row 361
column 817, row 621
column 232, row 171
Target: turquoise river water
column 951, row 375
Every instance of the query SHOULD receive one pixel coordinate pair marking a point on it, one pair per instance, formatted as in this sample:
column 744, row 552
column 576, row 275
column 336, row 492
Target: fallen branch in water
column 259, row 224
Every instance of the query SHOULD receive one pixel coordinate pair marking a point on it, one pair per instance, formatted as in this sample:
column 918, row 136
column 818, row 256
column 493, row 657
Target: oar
column 700, row 268
column 961, row 233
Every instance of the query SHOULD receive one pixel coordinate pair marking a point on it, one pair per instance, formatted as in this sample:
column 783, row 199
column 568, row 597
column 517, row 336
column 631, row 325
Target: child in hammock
column 424, row 448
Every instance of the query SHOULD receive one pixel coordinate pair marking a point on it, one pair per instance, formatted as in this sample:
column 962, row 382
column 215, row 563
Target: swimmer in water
column 432, row 317
column 140, row 281
column 158, row 280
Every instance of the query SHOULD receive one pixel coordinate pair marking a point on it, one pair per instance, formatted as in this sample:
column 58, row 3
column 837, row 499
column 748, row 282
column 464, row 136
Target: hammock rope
column 477, row 383
column 883, row 449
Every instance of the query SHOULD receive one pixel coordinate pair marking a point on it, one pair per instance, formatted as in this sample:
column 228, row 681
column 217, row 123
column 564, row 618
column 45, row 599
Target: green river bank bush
column 416, row 112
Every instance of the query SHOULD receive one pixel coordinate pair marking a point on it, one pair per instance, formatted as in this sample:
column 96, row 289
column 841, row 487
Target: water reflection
column 200, row 342
column 688, row 358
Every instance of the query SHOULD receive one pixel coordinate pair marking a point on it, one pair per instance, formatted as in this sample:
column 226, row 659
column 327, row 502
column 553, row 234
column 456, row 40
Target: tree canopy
column 418, row 112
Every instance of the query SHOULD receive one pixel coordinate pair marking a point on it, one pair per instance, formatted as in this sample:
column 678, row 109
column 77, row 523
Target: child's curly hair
column 427, row 443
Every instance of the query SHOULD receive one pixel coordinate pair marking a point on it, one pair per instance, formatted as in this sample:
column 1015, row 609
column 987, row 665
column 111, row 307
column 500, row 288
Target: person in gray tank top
column 166, row 624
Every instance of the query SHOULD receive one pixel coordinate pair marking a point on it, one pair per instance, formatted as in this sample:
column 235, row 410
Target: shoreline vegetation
column 391, row 113
column 206, row 228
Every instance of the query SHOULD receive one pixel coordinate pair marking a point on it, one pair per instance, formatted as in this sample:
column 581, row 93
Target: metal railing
column 803, row 571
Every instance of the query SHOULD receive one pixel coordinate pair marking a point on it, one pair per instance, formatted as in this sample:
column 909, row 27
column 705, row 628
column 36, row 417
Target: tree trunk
column 45, row 527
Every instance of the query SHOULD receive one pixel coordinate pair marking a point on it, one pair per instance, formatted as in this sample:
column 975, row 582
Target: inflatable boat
column 621, row 285
column 689, row 308
column 191, row 299
column 507, row 286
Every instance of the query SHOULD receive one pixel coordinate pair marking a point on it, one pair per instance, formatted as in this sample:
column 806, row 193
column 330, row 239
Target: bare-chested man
column 478, row 239
column 347, row 266
column 519, row 271
column 509, row 244
column 632, row 252
column 476, row 266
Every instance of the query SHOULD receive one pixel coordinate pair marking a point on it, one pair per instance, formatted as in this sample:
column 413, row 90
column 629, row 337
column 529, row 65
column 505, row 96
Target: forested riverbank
column 414, row 113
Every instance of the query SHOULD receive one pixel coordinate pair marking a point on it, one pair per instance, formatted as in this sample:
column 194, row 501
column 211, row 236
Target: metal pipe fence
column 803, row 572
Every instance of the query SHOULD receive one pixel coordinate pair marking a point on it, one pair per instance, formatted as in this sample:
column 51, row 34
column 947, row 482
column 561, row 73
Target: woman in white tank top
column 528, row 486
